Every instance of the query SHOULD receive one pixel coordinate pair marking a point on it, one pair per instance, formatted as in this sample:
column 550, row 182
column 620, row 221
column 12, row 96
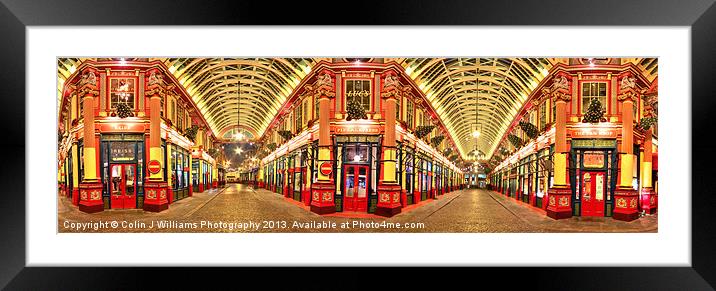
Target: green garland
column 355, row 110
column 435, row 141
column 646, row 122
column 515, row 140
column 423, row 130
column 595, row 113
column 271, row 146
column 529, row 129
column 286, row 134
column 191, row 132
column 447, row 152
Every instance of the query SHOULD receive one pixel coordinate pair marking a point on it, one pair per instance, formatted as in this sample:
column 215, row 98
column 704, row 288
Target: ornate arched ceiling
column 477, row 94
column 265, row 83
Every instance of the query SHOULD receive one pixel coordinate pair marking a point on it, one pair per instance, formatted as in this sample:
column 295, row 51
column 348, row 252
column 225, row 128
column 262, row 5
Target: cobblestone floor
column 238, row 208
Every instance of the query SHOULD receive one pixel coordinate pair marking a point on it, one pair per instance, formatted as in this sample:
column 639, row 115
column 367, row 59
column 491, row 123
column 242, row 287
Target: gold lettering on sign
column 121, row 127
column 357, row 130
column 594, row 132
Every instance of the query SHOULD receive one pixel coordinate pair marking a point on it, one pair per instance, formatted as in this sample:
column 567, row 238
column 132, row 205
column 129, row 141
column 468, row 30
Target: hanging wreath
column 271, row 146
column 435, row 141
column 646, row 123
column 190, row 132
column 123, row 110
column 356, row 110
column 515, row 140
column 423, row 130
column 529, row 129
column 595, row 113
column 286, row 134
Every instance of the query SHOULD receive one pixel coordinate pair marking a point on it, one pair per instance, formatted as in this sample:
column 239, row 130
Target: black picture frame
column 16, row 15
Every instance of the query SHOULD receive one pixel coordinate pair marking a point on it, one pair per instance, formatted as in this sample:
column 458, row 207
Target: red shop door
column 593, row 193
column 356, row 179
column 123, row 186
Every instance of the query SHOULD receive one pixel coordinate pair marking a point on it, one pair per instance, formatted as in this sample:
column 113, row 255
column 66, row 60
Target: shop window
column 358, row 90
column 122, row 91
column 180, row 118
column 593, row 90
column 316, row 105
column 357, row 153
column 554, row 111
column 409, row 113
column 305, row 113
column 542, row 115
column 80, row 109
column 81, row 161
column 298, row 116
column 397, row 108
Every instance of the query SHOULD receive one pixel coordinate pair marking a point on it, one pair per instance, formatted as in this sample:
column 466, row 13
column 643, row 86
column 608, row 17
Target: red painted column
column 625, row 196
column 560, row 195
column 155, row 186
column 90, row 188
column 648, row 196
column 323, row 191
column 388, row 187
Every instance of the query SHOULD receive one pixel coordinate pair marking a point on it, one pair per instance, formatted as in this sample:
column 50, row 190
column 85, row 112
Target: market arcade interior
column 569, row 136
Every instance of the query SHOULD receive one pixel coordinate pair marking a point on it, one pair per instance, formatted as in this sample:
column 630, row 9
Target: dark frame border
column 15, row 15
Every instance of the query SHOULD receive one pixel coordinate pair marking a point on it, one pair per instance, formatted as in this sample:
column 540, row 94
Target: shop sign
column 122, row 151
column 594, row 143
column 326, row 168
column 154, row 166
column 594, row 132
column 121, row 127
column 358, row 129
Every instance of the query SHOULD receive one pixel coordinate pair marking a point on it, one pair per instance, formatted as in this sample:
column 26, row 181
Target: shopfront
column 123, row 162
column 358, row 164
column 593, row 171
column 180, row 172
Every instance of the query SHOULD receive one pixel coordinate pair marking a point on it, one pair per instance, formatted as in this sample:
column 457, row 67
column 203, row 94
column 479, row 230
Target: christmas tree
column 515, row 140
column 529, row 129
column 356, row 110
column 435, row 141
column 286, row 134
column 423, row 130
column 595, row 113
column 123, row 110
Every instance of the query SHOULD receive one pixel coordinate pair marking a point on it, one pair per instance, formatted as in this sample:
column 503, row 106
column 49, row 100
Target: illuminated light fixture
column 591, row 62
column 356, row 158
column 122, row 61
column 357, row 62
column 476, row 133
column 239, row 150
column 238, row 136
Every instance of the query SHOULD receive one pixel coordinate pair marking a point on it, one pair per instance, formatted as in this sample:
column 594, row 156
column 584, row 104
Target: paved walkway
column 239, row 208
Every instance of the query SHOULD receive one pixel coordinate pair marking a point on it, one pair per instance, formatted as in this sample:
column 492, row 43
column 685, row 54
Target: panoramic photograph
column 345, row 144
